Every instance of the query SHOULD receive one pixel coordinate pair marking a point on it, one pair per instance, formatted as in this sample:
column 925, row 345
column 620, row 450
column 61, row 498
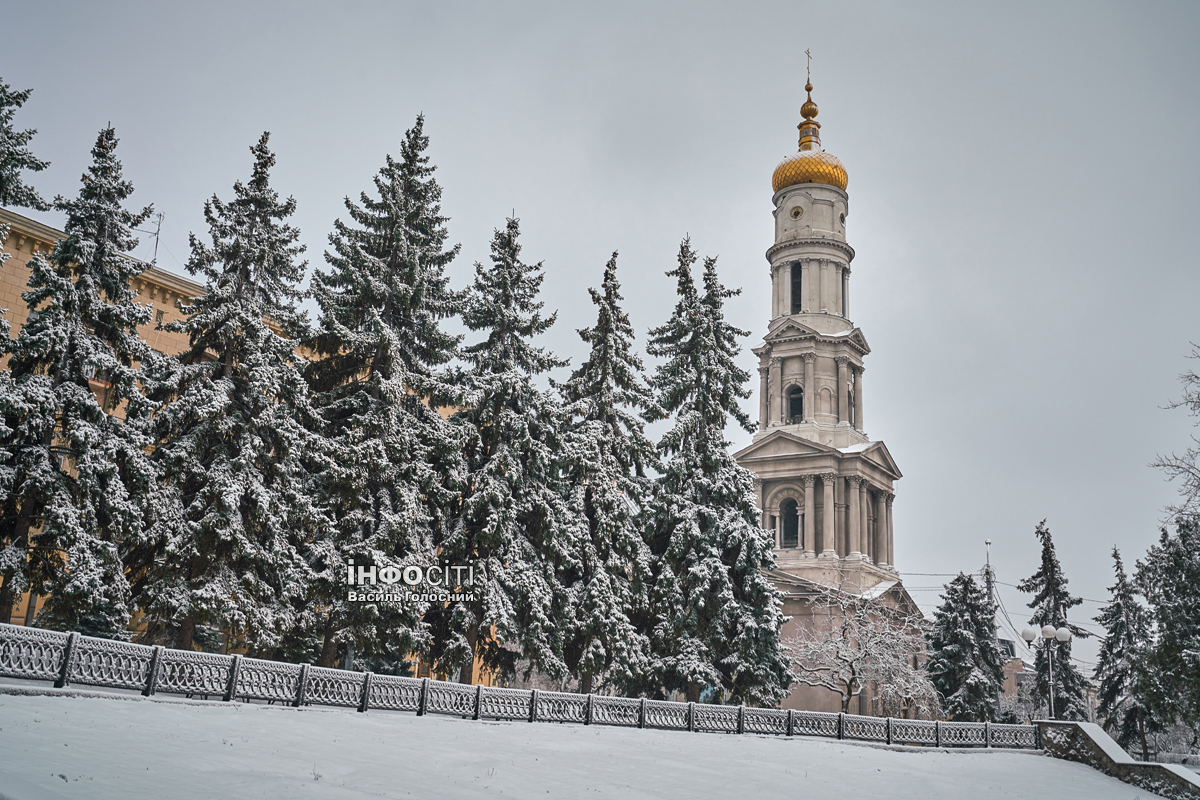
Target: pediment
column 781, row 443
column 877, row 452
column 790, row 331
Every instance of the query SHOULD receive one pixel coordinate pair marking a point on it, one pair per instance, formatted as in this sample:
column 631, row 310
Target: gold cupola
column 811, row 164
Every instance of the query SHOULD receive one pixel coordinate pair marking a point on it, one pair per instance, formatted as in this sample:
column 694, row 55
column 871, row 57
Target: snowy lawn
column 97, row 748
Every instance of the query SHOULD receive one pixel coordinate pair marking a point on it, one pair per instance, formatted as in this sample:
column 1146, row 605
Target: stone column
column 891, row 543
column 823, row 301
column 843, row 366
column 828, row 516
column 786, row 272
column 858, row 401
column 775, row 385
column 846, row 291
column 774, row 291
column 864, row 525
column 806, row 287
column 763, row 392
column 810, row 516
column 853, row 512
column 881, row 515
column 810, row 387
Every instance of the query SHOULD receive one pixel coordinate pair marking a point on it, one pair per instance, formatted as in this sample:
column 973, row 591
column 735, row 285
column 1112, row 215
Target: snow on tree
column 379, row 352
column 15, row 156
column 606, row 460
column 1186, row 467
column 852, row 642
column 965, row 663
column 1168, row 577
column 1120, row 674
column 76, row 422
column 1050, row 604
column 715, row 616
column 234, row 439
column 510, row 523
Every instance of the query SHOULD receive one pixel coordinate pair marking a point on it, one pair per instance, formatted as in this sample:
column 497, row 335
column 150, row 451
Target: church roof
column 785, row 444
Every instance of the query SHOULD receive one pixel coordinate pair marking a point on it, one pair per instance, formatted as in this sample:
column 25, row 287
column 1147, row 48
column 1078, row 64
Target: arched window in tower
column 791, row 523
column 795, row 405
column 797, row 289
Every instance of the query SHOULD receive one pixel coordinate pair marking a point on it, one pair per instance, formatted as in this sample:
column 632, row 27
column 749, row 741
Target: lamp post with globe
column 1048, row 632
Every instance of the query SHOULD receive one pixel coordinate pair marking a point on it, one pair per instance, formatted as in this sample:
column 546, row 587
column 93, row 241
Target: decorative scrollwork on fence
column 104, row 662
column 499, row 703
column 766, row 720
column 615, row 711
column 561, row 707
column 332, row 687
column 666, row 714
column 869, row 729
column 452, row 698
column 268, row 680
column 962, row 734
column 718, row 719
column 1013, row 735
column 815, row 723
column 913, row 731
column 31, row 652
column 185, row 672
column 395, row 692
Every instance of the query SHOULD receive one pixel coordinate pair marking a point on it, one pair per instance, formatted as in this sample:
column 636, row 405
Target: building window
column 797, row 289
column 791, row 524
column 795, row 399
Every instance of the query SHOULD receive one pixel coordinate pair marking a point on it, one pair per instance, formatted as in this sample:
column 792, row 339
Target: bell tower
column 825, row 488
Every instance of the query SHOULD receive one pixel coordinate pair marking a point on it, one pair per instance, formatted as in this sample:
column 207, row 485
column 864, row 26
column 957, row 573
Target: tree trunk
column 585, row 683
column 467, row 672
column 693, row 692
column 1142, row 735
column 7, row 599
column 185, row 639
column 329, row 647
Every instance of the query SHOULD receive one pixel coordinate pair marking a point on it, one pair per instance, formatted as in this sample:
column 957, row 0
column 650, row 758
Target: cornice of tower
column 806, row 245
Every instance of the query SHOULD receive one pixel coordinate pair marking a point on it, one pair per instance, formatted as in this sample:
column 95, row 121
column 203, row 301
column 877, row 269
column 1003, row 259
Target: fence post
column 791, row 723
column 64, row 675
column 841, row 724
column 889, row 730
column 742, row 718
column 424, row 697
column 691, row 716
column 642, row 713
column 533, row 697
column 587, row 711
column 235, row 669
column 365, row 700
column 987, row 733
column 937, row 733
column 1037, row 737
column 478, row 701
column 152, row 672
column 300, row 685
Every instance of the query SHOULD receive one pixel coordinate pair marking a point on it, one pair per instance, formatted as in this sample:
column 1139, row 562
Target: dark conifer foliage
column 510, row 521
column 716, row 617
column 965, row 663
column 607, row 459
column 1120, row 672
column 74, row 494
column 235, row 436
column 15, row 155
column 1050, row 604
column 380, row 351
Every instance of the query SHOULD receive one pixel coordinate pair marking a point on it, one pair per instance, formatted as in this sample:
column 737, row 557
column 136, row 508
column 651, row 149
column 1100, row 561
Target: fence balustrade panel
column 445, row 697
column 498, row 703
column 104, row 662
column 963, row 734
column 561, row 707
column 816, row 723
column 1013, row 735
column 914, row 731
column 186, row 672
column 615, row 711
column 869, row 729
column 31, row 652
column 766, row 720
column 268, row 680
column 666, row 714
column 716, row 719
column 332, row 687
column 395, row 692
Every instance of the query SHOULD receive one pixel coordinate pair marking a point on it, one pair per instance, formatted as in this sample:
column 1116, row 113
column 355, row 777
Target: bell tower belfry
column 825, row 489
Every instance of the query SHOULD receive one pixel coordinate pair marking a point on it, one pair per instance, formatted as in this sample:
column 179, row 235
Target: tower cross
column 809, row 70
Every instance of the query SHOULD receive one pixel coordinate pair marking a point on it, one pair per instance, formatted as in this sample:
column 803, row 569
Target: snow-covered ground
column 55, row 747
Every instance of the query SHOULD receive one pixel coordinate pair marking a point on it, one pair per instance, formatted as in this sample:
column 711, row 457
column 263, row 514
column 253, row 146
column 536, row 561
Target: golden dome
column 810, row 166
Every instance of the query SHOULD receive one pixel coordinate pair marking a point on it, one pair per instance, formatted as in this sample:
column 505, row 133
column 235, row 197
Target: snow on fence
column 67, row 658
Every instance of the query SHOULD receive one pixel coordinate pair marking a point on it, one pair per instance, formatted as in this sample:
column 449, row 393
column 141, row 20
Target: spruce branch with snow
column 1186, row 467
column 236, row 436
column 76, row 490
column 965, row 663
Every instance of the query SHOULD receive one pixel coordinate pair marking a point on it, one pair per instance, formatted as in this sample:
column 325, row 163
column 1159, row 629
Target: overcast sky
column 1022, row 181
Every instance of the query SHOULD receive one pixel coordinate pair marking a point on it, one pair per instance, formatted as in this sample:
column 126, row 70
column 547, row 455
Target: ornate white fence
column 67, row 658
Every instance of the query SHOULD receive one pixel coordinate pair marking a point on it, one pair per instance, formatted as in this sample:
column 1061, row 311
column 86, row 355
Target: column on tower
column 774, row 291
column 858, row 401
column 775, row 386
column 823, row 301
column 853, row 509
column 843, row 365
column 881, row 514
column 785, row 273
column 762, row 397
column 810, row 387
column 828, row 516
column 806, row 287
column 864, row 525
column 846, row 292
column 891, row 549
column 810, row 521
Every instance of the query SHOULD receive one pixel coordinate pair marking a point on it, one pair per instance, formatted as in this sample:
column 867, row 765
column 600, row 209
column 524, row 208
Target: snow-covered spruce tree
column 16, row 157
column 1050, row 604
column 77, row 424
column 379, row 354
column 1186, row 467
column 716, row 617
column 234, row 436
column 510, row 522
column 606, row 458
column 965, row 663
column 1120, row 673
column 1168, row 577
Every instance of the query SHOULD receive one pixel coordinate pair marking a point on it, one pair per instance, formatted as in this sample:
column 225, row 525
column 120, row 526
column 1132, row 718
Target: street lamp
column 1048, row 632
